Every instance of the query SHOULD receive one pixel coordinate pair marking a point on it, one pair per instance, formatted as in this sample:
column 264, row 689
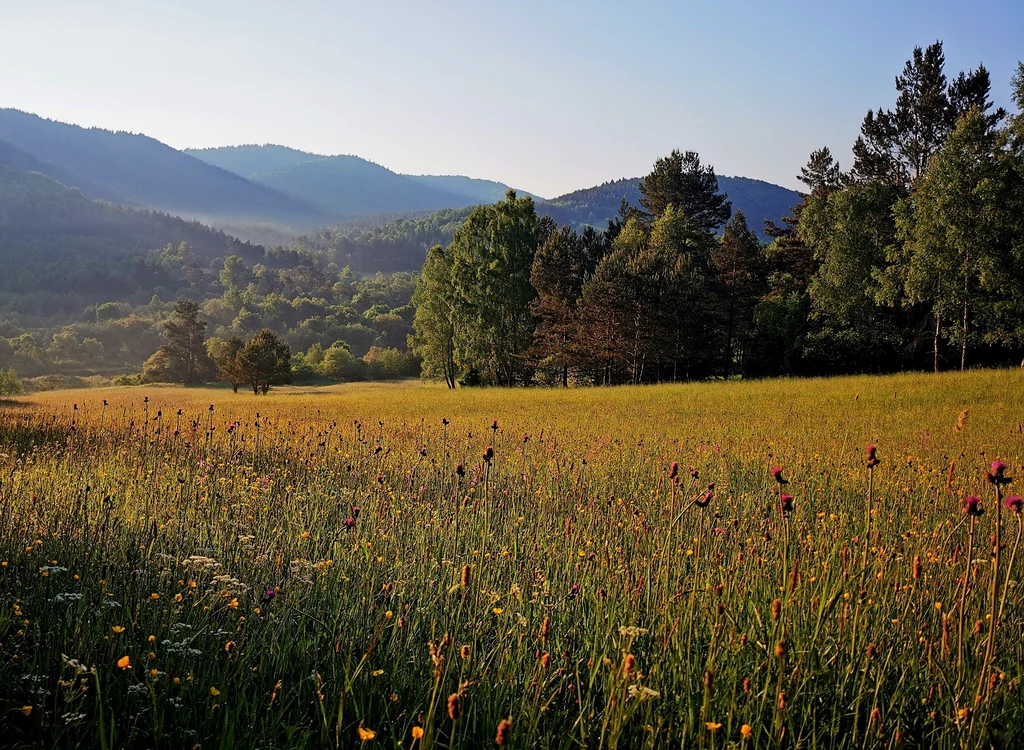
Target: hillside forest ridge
column 112, row 244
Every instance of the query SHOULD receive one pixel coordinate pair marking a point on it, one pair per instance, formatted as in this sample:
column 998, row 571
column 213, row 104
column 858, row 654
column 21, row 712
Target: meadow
column 406, row 566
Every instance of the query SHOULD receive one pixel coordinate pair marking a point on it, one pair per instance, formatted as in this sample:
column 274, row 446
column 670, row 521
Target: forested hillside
column 348, row 185
column 595, row 206
column 86, row 285
column 135, row 170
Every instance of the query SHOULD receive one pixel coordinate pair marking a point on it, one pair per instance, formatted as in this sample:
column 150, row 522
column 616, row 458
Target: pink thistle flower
column 777, row 475
column 972, row 506
column 1015, row 503
column 673, row 470
column 872, row 461
column 787, row 503
column 997, row 473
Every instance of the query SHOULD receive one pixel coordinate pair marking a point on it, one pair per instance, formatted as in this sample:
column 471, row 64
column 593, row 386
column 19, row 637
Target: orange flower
column 124, row 662
column 417, row 733
column 118, row 628
column 366, row 734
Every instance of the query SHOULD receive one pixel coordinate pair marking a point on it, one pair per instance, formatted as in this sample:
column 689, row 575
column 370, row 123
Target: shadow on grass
column 10, row 403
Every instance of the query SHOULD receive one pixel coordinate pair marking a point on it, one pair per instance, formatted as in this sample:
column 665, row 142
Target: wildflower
column 271, row 593
column 1015, row 503
column 229, row 646
column 777, row 475
column 972, row 506
column 876, row 715
column 488, row 453
column 545, row 628
column 673, row 471
column 388, row 615
column 366, row 734
column 154, row 596
column 460, row 470
column 118, row 629
column 703, row 500
column 545, row 660
column 776, row 609
column 233, row 604
column 713, row 726
column 746, row 731
column 355, row 511
column 178, row 597
column 916, row 570
column 376, row 673
column 504, row 727
column 497, row 610
column 997, row 473
column 214, row 692
column 350, row 522
column 124, row 662
column 787, row 503
column 26, row 710
column 417, row 733
column 628, row 663
column 872, row 461
column 465, row 651
column 466, row 576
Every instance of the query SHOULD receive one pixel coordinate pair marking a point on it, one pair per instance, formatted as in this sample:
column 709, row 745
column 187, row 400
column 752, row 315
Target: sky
column 544, row 95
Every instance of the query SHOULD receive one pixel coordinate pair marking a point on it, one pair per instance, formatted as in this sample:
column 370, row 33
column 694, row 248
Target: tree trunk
column 935, row 345
column 963, row 344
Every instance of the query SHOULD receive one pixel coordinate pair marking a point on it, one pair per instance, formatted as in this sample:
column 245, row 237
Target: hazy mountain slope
column 757, row 199
column 351, row 186
column 140, row 171
column 252, row 159
column 60, row 250
column 473, row 189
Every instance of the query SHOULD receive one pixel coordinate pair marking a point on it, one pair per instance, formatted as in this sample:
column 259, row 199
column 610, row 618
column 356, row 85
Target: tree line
column 911, row 259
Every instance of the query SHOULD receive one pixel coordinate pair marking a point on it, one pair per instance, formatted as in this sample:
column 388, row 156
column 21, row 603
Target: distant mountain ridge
column 349, row 185
column 757, row 199
column 139, row 171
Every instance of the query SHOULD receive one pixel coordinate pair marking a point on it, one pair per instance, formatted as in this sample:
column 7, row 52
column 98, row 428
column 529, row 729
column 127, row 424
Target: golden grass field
column 351, row 566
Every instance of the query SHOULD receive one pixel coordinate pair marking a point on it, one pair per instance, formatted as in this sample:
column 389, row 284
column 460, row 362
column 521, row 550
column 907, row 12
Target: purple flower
column 673, row 470
column 777, row 475
column 350, row 522
column 972, row 506
column 355, row 511
column 787, row 503
column 1015, row 503
column 872, row 461
column 997, row 473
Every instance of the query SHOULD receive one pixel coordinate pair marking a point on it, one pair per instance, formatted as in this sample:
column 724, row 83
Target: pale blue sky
column 546, row 96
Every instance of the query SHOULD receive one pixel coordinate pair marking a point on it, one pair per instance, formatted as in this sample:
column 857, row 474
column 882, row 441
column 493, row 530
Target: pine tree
column 185, row 351
column 680, row 180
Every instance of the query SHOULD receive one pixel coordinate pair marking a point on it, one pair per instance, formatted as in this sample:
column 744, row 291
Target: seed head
column 501, row 736
column 673, row 471
column 628, row 663
column 776, row 610
column 916, row 570
column 466, row 576
column 454, row 706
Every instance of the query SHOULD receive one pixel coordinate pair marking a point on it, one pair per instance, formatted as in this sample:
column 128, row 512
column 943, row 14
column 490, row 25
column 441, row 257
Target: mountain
column 477, row 190
column 135, row 170
column 252, row 159
column 61, row 250
column 757, row 199
column 349, row 185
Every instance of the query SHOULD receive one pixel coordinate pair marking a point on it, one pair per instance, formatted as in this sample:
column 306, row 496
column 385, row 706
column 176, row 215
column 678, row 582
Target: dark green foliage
column 265, row 361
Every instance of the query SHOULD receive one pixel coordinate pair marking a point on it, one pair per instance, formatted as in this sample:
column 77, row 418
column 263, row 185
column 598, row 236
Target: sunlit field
column 405, row 566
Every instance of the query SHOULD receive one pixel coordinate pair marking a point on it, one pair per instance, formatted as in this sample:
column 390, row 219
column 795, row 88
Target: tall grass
column 194, row 567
